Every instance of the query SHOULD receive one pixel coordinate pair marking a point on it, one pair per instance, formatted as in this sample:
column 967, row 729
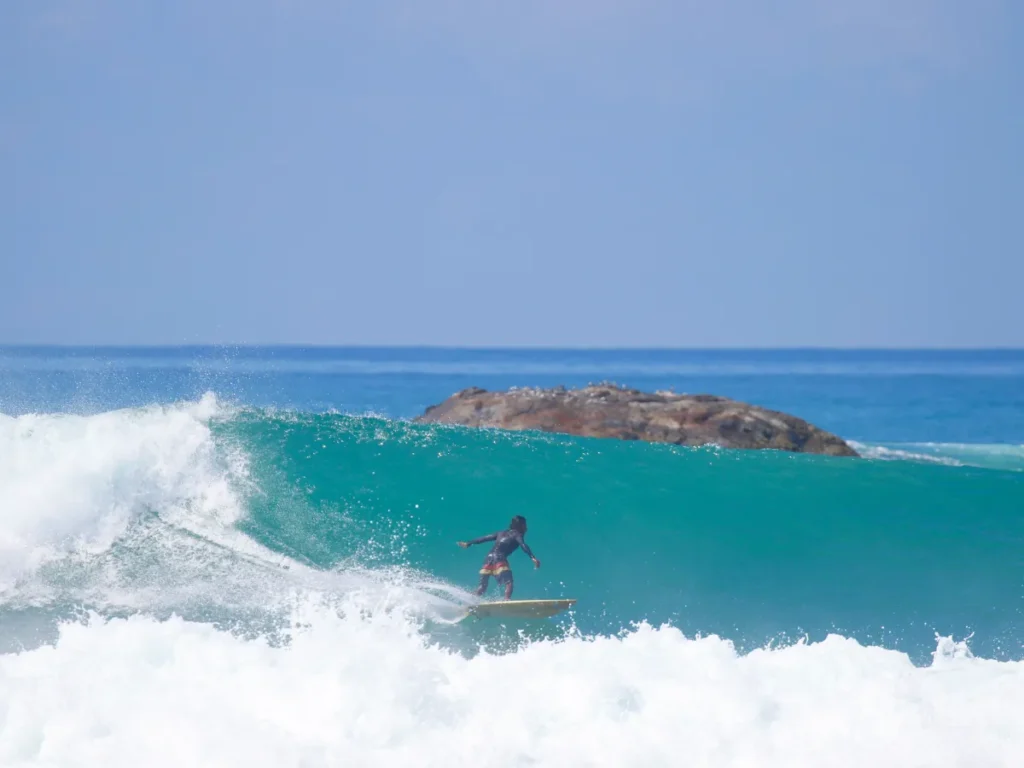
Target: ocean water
column 246, row 556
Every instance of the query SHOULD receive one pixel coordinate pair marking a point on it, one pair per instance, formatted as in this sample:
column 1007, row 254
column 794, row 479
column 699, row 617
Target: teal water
column 754, row 546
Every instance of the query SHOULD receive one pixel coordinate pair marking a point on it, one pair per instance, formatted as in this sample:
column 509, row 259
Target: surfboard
column 519, row 609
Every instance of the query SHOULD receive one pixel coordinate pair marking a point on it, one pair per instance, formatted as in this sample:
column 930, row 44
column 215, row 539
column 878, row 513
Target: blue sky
column 583, row 172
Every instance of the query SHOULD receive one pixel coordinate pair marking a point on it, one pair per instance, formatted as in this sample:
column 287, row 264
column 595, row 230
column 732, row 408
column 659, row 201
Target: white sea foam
column 886, row 453
column 368, row 691
column 983, row 455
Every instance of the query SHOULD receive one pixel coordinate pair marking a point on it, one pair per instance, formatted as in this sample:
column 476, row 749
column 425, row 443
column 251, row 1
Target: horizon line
column 502, row 348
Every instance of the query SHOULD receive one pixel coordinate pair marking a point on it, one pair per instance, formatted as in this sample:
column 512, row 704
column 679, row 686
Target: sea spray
column 73, row 484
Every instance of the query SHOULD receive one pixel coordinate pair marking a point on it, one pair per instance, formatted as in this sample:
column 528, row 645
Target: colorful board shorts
column 498, row 569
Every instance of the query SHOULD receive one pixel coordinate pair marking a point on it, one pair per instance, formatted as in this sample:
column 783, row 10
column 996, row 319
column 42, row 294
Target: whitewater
column 205, row 582
column 369, row 691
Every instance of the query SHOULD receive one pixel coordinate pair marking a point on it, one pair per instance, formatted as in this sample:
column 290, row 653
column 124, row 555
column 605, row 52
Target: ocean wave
column 222, row 515
column 136, row 511
column 368, row 690
column 264, row 587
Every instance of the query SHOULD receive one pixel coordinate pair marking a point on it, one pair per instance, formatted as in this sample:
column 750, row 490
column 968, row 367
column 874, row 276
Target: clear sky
column 476, row 172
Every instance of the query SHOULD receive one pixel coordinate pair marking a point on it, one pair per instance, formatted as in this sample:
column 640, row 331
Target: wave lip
column 73, row 484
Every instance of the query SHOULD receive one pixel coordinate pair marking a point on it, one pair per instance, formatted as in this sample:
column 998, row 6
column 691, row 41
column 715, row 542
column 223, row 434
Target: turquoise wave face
column 754, row 546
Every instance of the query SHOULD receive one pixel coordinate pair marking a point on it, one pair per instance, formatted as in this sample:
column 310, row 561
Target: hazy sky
column 569, row 172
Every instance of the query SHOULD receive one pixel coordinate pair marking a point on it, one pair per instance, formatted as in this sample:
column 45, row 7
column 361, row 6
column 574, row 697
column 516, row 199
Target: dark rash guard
column 505, row 543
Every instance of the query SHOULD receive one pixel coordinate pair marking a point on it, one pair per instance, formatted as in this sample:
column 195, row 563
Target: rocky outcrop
column 628, row 414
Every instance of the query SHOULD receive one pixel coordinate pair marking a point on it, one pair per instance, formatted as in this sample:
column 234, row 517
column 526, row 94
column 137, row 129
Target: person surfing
column 496, row 563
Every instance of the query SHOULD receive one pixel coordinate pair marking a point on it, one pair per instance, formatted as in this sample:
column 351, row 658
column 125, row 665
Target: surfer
column 496, row 563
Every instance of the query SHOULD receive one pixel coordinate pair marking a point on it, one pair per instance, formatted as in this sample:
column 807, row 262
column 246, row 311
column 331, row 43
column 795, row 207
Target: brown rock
column 628, row 414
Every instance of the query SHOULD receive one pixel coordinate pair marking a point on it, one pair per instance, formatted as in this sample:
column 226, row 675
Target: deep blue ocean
column 968, row 397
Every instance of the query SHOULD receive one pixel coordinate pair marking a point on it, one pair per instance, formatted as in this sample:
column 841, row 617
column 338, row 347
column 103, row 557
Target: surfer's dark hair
column 518, row 523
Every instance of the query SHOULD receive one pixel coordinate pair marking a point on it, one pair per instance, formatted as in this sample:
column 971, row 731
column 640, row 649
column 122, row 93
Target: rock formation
column 628, row 414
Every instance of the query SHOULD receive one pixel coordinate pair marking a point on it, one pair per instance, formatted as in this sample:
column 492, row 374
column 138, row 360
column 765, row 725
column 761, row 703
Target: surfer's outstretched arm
column 526, row 549
column 481, row 540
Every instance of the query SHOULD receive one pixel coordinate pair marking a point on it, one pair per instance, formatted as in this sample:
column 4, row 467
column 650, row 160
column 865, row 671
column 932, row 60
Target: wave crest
column 73, row 484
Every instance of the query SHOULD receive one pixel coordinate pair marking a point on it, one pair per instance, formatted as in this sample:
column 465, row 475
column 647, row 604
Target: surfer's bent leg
column 486, row 571
column 505, row 577
column 484, row 578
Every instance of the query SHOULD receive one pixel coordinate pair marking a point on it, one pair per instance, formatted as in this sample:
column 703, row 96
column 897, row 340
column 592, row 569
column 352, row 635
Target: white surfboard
column 519, row 609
